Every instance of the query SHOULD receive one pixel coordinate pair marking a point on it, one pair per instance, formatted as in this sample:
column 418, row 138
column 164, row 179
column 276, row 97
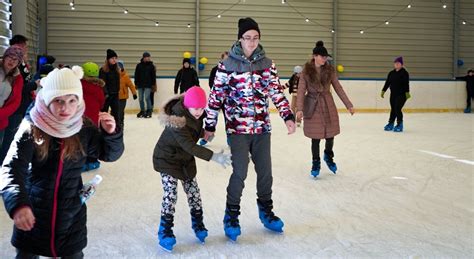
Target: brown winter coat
column 324, row 123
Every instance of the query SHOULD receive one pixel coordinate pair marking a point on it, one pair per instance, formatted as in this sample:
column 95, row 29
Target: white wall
column 432, row 96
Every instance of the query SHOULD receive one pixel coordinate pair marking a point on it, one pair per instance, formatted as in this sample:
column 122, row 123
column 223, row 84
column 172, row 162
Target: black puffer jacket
column 111, row 79
column 145, row 75
column 176, row 148
column 185, row 79
column 398, row 81
column 51, row 192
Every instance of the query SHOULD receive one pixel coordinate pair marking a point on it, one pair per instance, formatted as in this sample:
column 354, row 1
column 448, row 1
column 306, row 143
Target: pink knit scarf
column 45, row 120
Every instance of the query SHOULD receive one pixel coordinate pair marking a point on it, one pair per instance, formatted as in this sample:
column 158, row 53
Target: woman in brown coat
column 316, row 105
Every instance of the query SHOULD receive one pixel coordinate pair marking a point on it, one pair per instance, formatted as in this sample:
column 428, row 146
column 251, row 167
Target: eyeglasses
column 250, row 39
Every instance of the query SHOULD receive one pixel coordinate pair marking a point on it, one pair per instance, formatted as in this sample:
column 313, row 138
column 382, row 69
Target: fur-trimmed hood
column 173, row 112
column 94, row 80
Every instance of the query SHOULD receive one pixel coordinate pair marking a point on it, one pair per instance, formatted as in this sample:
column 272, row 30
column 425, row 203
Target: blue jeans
column 144, row 93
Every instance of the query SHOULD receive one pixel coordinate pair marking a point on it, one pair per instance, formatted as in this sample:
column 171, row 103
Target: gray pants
column 259, row 148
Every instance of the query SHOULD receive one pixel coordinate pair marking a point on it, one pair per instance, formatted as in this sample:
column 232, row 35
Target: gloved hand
column 222, row 159
column 408, row 95
column 135, row 97
column 382, row 94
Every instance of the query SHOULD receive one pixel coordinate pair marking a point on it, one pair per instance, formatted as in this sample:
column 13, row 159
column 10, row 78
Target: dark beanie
column 146, row 54
column 320, row 49
column 399, row 60
column 186, row 60
column 111, row 53
column 247, row 24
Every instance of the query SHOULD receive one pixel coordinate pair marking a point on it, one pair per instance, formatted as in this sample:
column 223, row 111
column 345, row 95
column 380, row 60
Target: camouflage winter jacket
column 242, row 87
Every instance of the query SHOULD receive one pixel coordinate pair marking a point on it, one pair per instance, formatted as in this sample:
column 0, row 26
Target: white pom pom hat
column 61, row 82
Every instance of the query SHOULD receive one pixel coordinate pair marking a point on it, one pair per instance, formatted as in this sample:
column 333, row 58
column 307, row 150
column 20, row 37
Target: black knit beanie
column 187, row 60
column 247, row 24
column 111, row 53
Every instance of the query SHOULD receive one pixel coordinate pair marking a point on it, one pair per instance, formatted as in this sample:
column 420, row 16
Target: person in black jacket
column 186, row 77
column 110, row 73
column 145, row 79
column 398, row 80
column 40, row 178
column 174, row 158
column 469, row 78
column 212, row 75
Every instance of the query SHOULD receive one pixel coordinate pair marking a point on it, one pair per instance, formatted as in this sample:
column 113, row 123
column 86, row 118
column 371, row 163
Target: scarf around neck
column 45, row 120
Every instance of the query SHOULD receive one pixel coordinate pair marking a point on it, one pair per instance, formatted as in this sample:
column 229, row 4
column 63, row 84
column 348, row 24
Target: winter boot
column 148, row 113
column 467, row 110
column 267, row 217
column 316, row 168
column 330, row 163
column 165, row 233
column 141, row 114
column 231, row 222
column 198, row 225
column 388, row 127
column 399, row 127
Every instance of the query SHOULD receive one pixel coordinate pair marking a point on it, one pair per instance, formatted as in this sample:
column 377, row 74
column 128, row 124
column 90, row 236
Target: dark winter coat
column 145, row 75
column 293, row 83
column 398, row 81
column 41, row 185
column 111, row 77
column 176, row 148
column 185, row 79
column 469, row 84
column 29, row 85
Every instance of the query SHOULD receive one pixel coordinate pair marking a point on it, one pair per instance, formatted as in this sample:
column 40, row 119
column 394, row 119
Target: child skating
column 174, row 157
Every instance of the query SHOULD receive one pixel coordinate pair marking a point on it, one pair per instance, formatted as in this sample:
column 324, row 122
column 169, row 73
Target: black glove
column 135, row 97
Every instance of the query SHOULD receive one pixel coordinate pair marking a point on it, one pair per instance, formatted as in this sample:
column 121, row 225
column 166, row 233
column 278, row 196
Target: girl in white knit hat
column 41, row 176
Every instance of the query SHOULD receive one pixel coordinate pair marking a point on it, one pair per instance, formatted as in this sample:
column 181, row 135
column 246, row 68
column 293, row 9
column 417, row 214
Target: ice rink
column 396, row 195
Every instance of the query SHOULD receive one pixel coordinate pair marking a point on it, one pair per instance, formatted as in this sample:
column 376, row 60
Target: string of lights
column 219, row 15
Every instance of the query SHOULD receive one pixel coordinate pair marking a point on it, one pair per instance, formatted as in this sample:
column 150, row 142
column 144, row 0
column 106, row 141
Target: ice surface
column 395, row 195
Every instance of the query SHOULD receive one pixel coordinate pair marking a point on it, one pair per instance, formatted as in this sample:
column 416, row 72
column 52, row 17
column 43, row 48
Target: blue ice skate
column 267, row 217
column 316, row 168
column 166, row 238
column 467, row 110
column 330, row 163
column 388, row 127
column 231, row 222
column 202, row 142
column 198, row 225
column 399, row 127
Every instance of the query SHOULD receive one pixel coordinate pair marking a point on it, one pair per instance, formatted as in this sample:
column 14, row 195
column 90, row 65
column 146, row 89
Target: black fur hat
column 320, row 49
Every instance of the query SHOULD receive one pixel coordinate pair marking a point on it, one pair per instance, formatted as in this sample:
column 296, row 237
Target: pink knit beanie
column 195, row 97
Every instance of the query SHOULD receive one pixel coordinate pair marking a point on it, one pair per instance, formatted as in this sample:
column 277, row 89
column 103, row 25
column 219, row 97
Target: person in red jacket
column 11, row 87
column 93, row 94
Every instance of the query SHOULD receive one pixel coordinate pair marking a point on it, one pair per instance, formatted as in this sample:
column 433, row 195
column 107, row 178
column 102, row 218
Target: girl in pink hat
column 174, row 158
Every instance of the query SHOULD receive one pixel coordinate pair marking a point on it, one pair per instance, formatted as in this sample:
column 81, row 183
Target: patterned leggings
column 170, row 195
